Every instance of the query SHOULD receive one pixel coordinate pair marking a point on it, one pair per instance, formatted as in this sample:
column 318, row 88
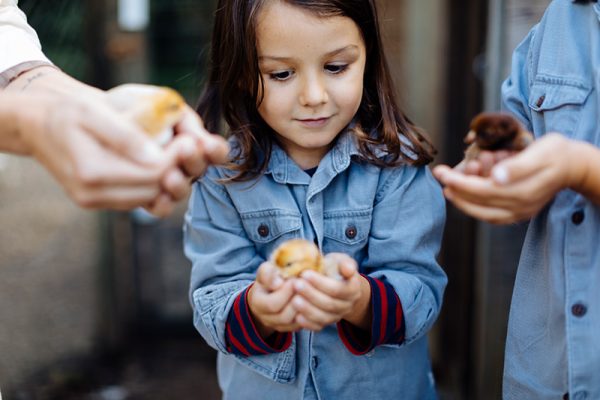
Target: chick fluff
column 156, row 109
column 495, row 131
column 297, row 255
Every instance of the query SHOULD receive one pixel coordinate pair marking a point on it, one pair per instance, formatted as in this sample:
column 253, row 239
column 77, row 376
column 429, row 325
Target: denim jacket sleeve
column 408, row 222
column 515, row 89
column 224, row 261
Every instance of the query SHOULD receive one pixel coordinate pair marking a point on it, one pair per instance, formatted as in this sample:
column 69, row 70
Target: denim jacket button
column 566, row 396
column 315, row 362
column 578, row 310
column 540, row 101
column 577, row 217
column 351, row 232
column 263, row 230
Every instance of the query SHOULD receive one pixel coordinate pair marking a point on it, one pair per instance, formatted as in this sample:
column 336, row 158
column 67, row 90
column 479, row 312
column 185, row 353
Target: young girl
column 321, row 152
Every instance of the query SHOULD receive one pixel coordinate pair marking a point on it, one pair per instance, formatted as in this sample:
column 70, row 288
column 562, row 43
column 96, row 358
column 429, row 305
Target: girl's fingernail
column 500, row 175
column 299, row 285
column 277, row 281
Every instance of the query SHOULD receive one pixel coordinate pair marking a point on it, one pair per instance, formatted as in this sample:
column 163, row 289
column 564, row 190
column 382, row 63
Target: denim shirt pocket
column 346, row 231
column 279, row 367
column 556, row 104
column 268, row 228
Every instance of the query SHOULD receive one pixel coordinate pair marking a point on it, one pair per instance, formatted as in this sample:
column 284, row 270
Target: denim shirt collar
column 596, row 7
column 285, row 170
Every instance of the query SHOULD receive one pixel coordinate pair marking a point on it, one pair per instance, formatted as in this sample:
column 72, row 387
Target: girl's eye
column 336, row 68
column 281, row 75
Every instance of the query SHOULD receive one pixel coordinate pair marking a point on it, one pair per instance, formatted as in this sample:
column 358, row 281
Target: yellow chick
column 297, row 255
column 156, row 109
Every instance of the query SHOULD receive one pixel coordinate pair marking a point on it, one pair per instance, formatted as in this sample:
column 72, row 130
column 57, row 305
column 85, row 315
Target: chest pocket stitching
column 556, row 95
column 278, row 222
column 337, row 222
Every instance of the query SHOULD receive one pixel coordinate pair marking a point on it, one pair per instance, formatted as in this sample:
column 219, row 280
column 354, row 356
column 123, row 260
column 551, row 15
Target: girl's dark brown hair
column 234, row 83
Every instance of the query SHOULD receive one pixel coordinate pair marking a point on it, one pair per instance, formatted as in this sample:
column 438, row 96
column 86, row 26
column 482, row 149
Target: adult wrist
column 579, row 154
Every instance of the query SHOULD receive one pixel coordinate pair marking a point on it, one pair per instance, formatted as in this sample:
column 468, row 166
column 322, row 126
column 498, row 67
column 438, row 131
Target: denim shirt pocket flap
column 349, row 227
column 266, row 226
column 279, row 367
column 552, row 95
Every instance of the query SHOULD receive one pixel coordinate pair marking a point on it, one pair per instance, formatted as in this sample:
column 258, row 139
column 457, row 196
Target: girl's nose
column 313, row 92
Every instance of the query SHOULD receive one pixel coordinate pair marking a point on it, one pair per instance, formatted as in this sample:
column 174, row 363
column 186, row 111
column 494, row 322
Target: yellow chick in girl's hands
column 298, row 255
column 155, row 108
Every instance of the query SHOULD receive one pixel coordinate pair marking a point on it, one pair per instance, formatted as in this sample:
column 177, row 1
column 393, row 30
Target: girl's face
column 312, row 69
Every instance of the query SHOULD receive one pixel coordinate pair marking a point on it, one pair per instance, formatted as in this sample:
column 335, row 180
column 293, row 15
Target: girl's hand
column 321, row 300
column 269, row 302
column 518, row 187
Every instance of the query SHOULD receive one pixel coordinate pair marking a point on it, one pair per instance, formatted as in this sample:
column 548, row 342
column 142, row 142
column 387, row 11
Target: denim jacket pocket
column 557, row 104
column 279, row 367
column 265, row 226
column 346, row 231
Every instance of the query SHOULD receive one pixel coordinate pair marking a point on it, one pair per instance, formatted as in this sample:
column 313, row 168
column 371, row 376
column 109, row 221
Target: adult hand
column 102, row 159
column 519, row 186
column 192, row 150
column 269, row 302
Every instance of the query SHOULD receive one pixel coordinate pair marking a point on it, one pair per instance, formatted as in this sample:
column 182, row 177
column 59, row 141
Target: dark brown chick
column 495, row 131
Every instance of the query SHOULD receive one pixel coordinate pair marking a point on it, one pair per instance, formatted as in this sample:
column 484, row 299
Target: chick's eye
column 280, row 75
column 336, row 68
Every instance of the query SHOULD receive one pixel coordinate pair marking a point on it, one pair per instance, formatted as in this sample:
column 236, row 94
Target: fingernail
column 277, row 281
column 500, row 175
column 152, row 153
column 210, row 144
column 188, row 146
column 299, row 285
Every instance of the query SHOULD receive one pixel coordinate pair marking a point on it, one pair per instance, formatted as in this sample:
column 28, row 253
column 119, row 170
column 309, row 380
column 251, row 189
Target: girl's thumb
column 347, row 268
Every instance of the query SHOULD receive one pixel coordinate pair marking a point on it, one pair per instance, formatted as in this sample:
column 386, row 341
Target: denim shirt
column 553, row 341
column 398, row 216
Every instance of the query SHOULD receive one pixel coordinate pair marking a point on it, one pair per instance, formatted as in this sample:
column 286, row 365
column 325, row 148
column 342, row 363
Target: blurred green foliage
column 59, row 24
column 178, row 38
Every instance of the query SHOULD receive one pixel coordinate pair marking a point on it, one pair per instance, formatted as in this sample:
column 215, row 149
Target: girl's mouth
column 314, row 122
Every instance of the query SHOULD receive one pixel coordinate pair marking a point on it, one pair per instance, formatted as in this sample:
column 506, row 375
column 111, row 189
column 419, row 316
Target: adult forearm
column 11, row 138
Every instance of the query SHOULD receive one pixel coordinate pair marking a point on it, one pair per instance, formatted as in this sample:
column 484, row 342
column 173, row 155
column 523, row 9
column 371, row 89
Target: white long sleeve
column 19, row 43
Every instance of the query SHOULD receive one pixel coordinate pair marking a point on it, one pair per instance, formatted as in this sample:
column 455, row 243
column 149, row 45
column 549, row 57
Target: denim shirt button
column 540, row 101
column 263, row 230
column 315, row 362
column 577, row 217
column 566, row 396
column 351, row 232
column 578, row 310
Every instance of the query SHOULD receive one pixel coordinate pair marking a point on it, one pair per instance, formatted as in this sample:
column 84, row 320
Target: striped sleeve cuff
column 243, row 338
column 387, row 326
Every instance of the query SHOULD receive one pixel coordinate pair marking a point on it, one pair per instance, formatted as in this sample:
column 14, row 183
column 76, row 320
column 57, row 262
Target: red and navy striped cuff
column 243, row 338
column 387, row 326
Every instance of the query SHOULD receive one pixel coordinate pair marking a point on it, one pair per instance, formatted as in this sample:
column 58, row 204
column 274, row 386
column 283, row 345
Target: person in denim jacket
column 553, row 345
column 320, row 152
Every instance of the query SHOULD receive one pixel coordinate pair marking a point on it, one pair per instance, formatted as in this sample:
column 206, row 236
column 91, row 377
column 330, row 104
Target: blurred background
column 93, row 305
